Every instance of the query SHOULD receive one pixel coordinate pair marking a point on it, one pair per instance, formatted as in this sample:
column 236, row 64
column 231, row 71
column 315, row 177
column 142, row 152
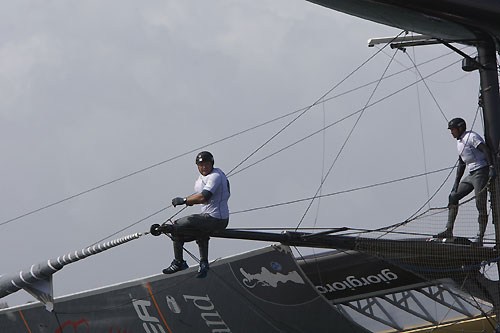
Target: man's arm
column 198, row 198
column 460, row 173
column 487, row 155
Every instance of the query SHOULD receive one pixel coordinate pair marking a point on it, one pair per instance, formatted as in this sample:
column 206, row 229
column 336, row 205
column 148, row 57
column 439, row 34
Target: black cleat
column 175, row 267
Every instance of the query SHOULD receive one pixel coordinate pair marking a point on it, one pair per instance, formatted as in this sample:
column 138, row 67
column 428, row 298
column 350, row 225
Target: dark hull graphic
column 351, row 275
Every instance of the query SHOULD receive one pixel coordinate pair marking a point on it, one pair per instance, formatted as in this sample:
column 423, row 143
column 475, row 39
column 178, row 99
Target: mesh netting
column 468, row 266
column 433, row 221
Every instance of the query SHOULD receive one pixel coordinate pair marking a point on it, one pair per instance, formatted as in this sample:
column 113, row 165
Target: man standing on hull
column 474, row 154
column 212, row 192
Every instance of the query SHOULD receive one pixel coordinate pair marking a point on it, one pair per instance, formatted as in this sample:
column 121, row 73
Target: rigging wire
column 474, row 53
column 421, row 125
column 178, row 156
column 340, row 192
column 323, row 154
column 221, row 140
column 397, row 225
column 345, row 141
column 352, row 114
column 229, row 174
column 345, row 118
column 459, row 296
column 130, row 226
column 389, row 76
column 142, row 220
column 144, row 169
column 308, row 108
column 478, row 306
column 453, row 80
column 397, row 61
column 376, row 102
column 389, row 229
column 199, row 148
column 428, row 89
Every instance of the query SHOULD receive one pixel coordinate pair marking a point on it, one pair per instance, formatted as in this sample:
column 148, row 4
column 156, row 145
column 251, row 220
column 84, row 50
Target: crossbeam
column 290, row 238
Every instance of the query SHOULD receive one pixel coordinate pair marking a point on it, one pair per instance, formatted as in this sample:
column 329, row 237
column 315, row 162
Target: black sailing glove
column 178, row 201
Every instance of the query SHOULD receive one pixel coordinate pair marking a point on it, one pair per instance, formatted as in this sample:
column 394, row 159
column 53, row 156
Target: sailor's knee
column 453, row 199
column 181, row 222
column 202, row 240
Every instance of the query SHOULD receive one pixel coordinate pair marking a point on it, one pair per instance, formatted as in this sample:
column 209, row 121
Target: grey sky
column 91, row 91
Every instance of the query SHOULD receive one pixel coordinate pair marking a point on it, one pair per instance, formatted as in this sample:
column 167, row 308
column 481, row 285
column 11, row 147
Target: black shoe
column 175, row 266
column 203, row 270
column 444, row 234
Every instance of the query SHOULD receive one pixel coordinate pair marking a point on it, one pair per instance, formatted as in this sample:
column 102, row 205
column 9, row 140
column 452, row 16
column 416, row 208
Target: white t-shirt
column 217, row 183
column 467, row 149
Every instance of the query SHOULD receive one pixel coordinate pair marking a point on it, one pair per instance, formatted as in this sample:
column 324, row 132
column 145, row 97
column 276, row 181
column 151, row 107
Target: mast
column 488, row 74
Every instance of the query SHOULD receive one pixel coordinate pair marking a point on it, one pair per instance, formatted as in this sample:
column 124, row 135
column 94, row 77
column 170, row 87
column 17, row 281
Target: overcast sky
column 91, row 91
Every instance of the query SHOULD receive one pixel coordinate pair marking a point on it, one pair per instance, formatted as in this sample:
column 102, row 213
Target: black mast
column 488, row 72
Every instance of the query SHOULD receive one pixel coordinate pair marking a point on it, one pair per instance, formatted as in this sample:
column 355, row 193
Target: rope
column 346, row 140
column 340, row 120
column 422, row 138
column 340, row 192
column 308, row 108
column 144, row 169
column 435, row 193
column 201, row 147
column 322, row 100
column 230, row 173
column 354, row 113
column 426, row 86
column 131, row 225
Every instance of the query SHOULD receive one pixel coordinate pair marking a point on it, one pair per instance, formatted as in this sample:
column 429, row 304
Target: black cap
column 456, row 123
column 204, row 156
